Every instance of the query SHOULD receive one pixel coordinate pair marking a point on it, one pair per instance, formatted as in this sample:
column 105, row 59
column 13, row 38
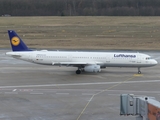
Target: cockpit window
column 148, row 58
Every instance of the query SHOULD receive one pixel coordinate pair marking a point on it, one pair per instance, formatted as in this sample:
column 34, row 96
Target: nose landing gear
column 139, row 71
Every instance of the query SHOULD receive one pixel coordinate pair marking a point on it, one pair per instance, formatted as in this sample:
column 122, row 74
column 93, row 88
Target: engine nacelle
column 92, row 68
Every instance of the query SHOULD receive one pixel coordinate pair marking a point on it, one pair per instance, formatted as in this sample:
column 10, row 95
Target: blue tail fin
column 16, row 42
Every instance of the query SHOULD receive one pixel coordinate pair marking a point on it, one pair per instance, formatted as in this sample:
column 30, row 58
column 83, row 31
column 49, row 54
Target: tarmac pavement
column 37, row 92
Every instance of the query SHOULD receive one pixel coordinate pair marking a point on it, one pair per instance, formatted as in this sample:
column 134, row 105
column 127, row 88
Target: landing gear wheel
column 139, row 71
column 78, row 71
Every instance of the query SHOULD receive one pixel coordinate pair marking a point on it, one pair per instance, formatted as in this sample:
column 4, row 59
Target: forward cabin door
column 138, row 59
column 108, row 59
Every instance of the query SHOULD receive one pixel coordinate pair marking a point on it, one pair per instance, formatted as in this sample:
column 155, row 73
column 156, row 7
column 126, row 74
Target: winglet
column 16, row 42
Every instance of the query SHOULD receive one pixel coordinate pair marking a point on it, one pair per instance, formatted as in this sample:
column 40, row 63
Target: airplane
column 84, row 61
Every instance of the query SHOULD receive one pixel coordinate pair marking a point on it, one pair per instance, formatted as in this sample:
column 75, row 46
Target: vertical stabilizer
column 16, row 42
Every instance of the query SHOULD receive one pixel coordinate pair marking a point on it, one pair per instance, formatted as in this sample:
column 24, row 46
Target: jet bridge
column 143, row 107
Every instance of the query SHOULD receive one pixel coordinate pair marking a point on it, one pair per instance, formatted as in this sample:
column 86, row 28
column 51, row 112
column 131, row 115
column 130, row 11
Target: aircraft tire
column 78, row 72
column 139, row 71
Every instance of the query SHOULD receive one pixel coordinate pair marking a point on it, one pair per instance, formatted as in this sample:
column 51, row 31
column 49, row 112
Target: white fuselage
column 104, row 59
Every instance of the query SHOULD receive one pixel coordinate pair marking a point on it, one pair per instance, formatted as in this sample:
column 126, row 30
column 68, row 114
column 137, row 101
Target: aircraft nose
column 155, row 62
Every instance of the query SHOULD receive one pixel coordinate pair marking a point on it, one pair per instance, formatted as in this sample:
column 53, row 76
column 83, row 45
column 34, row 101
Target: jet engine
column 92, row 68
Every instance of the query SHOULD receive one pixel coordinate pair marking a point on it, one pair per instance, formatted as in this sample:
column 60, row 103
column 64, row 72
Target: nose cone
column 154, row 62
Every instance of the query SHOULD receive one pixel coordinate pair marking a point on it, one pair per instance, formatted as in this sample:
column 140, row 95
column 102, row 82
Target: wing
column 76, row 64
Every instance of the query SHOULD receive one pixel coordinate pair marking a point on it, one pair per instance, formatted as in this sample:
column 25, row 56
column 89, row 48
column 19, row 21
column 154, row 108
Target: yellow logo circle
column 15, row 41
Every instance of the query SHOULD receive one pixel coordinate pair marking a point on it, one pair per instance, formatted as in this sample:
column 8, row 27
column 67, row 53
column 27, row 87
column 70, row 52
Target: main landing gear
column 78, row 71
column 139, row 71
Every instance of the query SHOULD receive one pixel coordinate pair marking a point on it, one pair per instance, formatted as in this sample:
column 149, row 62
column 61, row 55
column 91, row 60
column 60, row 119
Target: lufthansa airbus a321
column 84, row 61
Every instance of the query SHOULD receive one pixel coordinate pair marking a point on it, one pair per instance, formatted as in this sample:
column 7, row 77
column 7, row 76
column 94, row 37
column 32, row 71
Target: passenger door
column 138, row 58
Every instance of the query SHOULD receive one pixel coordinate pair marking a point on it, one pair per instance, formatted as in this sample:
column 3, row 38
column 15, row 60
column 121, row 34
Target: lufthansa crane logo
column 15, row 41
